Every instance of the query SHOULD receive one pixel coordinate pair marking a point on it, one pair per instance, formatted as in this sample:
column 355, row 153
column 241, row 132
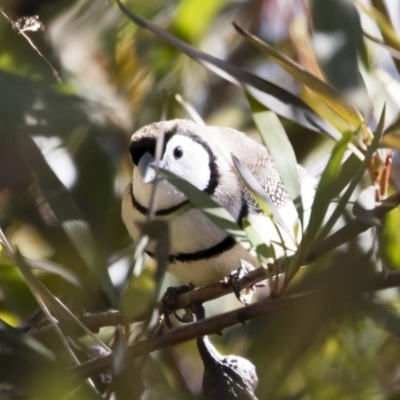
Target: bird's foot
column 235, row 281
column 168, row 305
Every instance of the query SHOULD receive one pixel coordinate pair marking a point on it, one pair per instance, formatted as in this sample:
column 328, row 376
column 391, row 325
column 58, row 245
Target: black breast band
column 145, row 211
column 212, row 252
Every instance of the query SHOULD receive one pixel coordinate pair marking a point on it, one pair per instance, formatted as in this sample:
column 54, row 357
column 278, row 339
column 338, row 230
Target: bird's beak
column 146, row 165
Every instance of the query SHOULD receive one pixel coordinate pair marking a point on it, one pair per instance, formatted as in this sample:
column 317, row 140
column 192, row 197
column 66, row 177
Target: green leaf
column 42, row 265
column 159, row 231
column 280, row 149
column 63, row 206
column 50, row 304
column 331, row 183
column 273, row 97
column 327, row 93
column 261, row 196
column 390, row 36
column 54, row 268
column 22, row 344
column 139, row 295
column 344, row 200
column 392, row 51
column 261, row 248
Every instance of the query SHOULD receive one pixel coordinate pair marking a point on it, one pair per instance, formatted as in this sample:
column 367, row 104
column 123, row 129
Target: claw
column 235, row 280
column 168, row 302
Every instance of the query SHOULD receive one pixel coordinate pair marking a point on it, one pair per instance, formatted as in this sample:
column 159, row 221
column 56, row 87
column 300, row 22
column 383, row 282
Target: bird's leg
column 168, row 305
column 198, row 310
column 235, row 280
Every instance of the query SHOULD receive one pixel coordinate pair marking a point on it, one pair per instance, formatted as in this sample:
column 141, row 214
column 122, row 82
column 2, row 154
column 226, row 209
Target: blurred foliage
column 65, row 164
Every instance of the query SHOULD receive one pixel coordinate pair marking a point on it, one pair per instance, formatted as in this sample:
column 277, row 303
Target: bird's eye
column 178, row 152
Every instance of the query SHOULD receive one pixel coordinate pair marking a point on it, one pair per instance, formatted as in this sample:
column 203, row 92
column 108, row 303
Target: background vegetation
column 73, row 88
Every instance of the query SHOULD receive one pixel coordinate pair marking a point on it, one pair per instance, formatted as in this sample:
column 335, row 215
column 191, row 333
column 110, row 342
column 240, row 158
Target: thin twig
column 20, row 31
column 190, row 110
column 93, row 322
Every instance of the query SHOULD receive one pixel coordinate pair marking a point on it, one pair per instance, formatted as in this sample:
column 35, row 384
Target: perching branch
column 217, row 323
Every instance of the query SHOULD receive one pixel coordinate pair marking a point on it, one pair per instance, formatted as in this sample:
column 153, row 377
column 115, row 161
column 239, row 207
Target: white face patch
column 188, row 159
column 184, row 157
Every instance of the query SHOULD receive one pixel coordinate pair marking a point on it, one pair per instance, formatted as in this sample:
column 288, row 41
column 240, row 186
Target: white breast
column 200, row 273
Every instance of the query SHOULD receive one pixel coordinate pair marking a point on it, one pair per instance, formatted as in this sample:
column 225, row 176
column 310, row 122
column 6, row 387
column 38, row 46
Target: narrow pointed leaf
column 260, row 195
column 23, row 344
column 54, row 268
column 388, row 33
column 344, row 200
column 262, row 249
column 392, row 51
column 204, row 203
column 268, row 94
column 50, row 304
column 328, row 188
column 67, row 213
column 158, row 231
column 327, row 93
column 279, row 147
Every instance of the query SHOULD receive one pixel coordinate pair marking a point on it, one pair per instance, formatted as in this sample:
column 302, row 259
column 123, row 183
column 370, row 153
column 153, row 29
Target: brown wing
column 257, row 159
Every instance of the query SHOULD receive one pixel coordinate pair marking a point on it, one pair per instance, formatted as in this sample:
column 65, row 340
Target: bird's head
column 186, row 153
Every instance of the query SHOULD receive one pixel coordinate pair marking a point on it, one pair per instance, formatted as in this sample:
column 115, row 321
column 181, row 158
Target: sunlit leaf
column 384, row 25
column 382, row 18
column 393, row 52
column 345, row 197
column 268, row 94
column 331, row 183
column 327, row 93
column 279, row 147
column 260, row 195
column 261, row 248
